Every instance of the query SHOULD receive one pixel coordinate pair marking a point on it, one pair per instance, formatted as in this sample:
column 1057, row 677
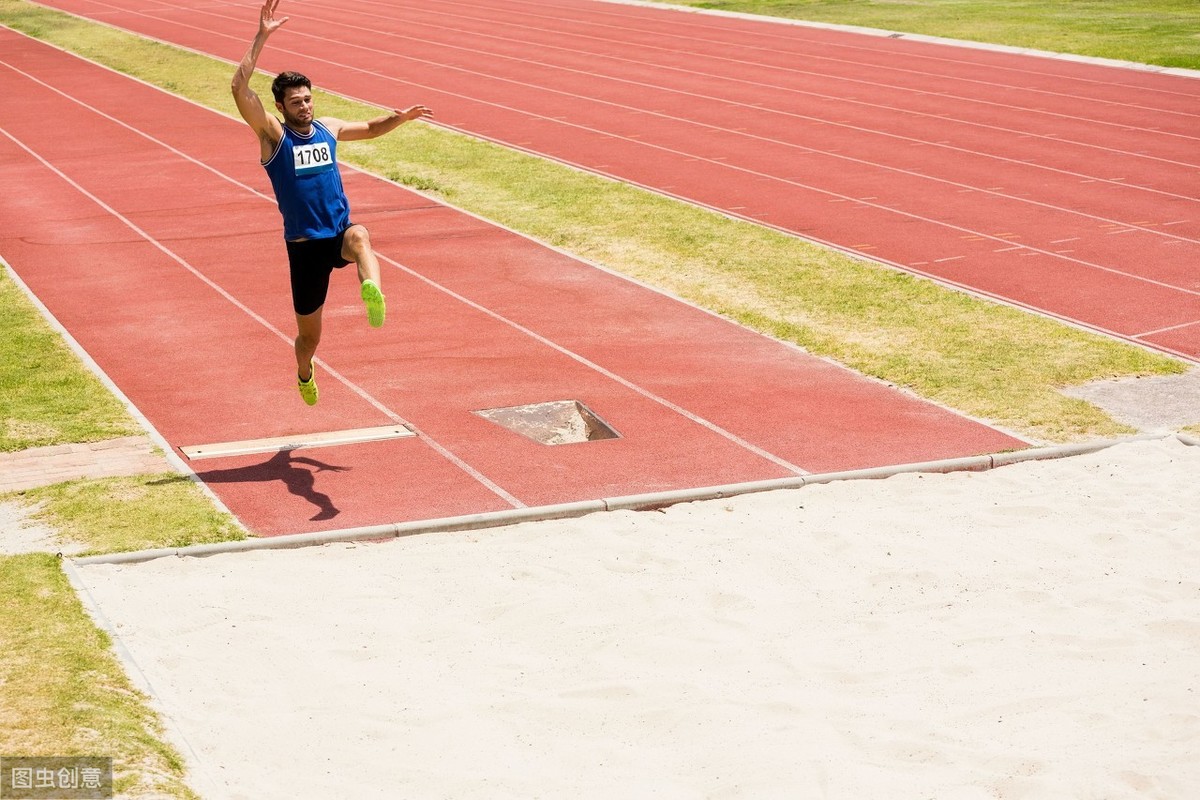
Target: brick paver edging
column 42, row 466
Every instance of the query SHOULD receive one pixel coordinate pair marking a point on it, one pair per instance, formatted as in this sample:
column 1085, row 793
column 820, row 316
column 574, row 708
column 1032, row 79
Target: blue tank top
column 308, row 186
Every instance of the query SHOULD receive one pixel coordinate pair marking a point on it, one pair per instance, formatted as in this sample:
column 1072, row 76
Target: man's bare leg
column 309, row 336
column 356, row 247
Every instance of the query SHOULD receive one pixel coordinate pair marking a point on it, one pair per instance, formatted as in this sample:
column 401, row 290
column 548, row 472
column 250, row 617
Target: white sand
column 1030, row 632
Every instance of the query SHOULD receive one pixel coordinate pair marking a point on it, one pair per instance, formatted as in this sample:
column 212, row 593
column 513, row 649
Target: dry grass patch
column 63, row 692
column 143, row 512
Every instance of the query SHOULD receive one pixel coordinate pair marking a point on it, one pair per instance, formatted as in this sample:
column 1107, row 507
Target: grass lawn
column 62, row 692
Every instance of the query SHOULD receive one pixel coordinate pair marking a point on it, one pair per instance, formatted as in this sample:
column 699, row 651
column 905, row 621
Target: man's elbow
column 237, row 86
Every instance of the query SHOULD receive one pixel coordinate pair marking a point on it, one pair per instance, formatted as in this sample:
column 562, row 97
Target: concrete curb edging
column 645, row 502
column 469, row 522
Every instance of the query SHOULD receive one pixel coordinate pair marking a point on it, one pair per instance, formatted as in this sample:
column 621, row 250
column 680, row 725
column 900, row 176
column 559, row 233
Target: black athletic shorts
column 311, row 262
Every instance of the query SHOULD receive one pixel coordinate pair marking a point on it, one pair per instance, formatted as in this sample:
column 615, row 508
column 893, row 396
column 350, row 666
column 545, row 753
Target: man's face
column 297, row 107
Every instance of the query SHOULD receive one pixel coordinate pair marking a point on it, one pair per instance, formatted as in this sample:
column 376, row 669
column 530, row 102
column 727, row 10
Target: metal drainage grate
column 556, row 422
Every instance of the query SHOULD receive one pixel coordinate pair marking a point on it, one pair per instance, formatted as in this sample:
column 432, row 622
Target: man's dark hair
column 288, row 80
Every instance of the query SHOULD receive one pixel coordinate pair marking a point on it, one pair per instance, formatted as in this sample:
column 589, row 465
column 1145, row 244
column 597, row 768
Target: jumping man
column 300, row 156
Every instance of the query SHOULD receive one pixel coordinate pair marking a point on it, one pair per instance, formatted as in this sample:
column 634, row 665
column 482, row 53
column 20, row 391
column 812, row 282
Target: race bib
column 310, row 158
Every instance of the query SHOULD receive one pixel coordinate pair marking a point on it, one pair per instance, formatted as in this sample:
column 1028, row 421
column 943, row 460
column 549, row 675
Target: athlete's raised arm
column 356, row 131
column 248, row 103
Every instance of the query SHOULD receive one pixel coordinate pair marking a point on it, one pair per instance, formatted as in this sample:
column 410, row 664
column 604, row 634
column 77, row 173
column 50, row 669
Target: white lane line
column 1167, row 329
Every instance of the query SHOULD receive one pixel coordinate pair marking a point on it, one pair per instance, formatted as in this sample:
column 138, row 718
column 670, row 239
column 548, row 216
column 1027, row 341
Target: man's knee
column 356, row 240
column 308, row 333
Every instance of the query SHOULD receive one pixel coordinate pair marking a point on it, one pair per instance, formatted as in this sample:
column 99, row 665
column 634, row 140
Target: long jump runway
column 140, row 221
column 1068, row 188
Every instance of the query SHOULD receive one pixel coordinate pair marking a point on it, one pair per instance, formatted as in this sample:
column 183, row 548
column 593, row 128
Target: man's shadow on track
column 283, row 466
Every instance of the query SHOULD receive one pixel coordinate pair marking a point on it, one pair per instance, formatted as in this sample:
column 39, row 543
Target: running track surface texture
column 144, row 224
column 1069, row 188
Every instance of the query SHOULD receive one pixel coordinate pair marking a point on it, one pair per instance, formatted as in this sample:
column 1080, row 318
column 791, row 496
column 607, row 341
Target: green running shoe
column 308, row 388
column 376, row 308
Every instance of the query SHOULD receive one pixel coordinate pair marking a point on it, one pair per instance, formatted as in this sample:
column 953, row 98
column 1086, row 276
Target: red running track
column 1065, row 187
column 144, row 223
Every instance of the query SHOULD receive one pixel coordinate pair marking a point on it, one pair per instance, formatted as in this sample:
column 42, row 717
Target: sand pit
column 1029, row 632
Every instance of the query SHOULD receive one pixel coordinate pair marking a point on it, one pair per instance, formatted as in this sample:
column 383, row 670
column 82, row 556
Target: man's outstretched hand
column 416, row 112
column 267, row 24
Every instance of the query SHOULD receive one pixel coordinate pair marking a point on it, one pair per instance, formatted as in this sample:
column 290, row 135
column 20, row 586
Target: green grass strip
column 114, row 515
column 63, row 692
column 47, row 396
column 1160, row 32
